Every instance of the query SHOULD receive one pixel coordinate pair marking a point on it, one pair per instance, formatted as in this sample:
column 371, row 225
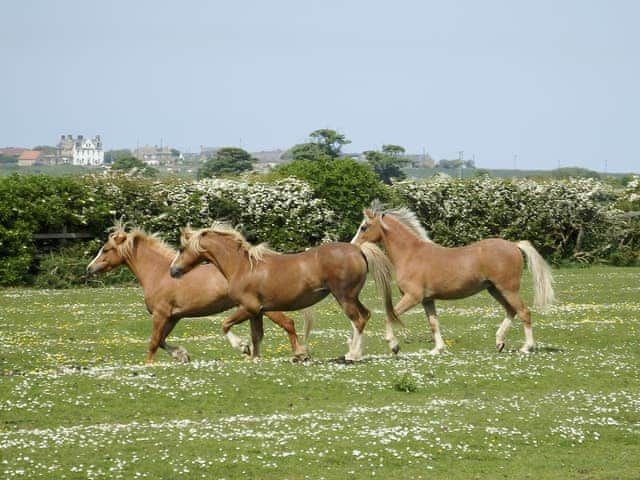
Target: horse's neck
column 148, row 265
column 230, row 260
column 400, row 242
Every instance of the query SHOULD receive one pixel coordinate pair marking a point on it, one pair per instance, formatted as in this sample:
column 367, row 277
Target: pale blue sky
column 553, row 82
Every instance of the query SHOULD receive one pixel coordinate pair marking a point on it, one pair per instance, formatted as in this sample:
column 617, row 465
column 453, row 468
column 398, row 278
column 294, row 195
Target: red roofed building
column 29, row 157
column 12, row 151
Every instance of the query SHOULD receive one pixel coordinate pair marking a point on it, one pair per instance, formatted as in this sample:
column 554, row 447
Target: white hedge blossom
column 631, row 194
column 284, row 213
column 564, row 219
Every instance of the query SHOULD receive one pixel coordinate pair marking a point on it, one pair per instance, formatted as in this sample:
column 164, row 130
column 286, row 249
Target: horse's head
column 189, row 254
column 110, row 255
column 370, row 230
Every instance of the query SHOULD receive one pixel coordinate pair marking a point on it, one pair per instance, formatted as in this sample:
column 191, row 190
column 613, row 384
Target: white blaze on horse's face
column 174, row 270
column 361, row 228
column 91, row 267
column 106, row 260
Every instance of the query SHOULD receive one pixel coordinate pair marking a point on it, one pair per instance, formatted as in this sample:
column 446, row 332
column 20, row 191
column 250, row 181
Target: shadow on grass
column 549, row 349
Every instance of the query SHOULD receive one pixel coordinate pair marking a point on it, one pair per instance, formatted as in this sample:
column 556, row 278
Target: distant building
column 269, row 156
column 421, row 161
column 208, row 152
column 80, row 150
column 12, row 151
column 155, row 155
column 29, row 157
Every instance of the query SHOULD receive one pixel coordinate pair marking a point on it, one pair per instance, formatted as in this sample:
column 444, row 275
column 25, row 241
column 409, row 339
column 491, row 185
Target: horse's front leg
column 430, row 310
column 239, row 316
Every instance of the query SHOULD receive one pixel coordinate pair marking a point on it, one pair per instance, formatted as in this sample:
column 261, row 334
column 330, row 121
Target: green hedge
column 573, row 220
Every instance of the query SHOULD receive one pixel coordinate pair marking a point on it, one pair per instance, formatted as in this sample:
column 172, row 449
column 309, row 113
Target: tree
column 110, row 156
column 227, row 161
column 573, row 172
column 444, row 163
column 324, row 144
column 346, row 185
column 394, row 150
column 308, row 152
column 8, row 160
column 456, row 163
column 329, row 141
column 134, row 165
column 388, row 163
column 46, row 149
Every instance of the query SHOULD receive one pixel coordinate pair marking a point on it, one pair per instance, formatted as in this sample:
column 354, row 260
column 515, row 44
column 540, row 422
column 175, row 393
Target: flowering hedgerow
column 630, row 197
column 284, row 213
column 582, row 219
column 573, row 219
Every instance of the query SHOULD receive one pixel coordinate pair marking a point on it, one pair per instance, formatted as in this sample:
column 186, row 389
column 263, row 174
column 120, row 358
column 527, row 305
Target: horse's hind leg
column 430, row 310
column 513, row 304
column 300, row 352
column 257, row 332
column 159, row 323
column 501, row 333
column 177, row 352
column 359, row 315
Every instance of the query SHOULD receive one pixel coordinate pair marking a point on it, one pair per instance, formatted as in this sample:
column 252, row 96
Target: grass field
column 77, row 402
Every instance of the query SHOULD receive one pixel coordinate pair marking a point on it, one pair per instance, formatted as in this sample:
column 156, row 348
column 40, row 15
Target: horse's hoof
column 300, row 358
column 246, row 349
column 181, row 355
column 342, row 360
column 396, row 348
column 500, row 347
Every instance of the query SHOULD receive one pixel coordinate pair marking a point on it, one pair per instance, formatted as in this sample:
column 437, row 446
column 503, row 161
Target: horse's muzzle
column 175, row 272
column 92, row 271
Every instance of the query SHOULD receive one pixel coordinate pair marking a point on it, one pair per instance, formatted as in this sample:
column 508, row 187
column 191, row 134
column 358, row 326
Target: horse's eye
column 181, row 250
column 363, row 228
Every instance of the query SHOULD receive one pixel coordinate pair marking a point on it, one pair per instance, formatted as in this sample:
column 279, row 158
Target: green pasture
column 76, row 400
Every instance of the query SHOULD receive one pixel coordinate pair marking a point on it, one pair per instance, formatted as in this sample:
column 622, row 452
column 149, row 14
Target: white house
column 81, row 151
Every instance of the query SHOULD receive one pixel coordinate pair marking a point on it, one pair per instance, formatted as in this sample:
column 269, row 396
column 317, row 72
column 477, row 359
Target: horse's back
column 333, row 255
column 461, row 271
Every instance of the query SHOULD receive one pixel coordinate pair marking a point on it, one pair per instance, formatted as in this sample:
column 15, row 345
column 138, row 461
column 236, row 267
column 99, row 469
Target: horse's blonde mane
column 256, row 252
column 125, row 249
column 403, row 215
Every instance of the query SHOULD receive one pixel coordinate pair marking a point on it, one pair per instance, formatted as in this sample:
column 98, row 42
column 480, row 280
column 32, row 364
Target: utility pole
column 460, row 159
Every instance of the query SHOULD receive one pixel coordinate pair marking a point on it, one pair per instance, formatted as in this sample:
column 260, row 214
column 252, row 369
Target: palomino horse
column 261, row 279
column 203, row 292
column 426, row 271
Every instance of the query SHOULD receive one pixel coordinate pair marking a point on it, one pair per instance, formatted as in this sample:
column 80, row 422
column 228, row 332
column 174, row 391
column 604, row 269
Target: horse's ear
column 119, row 237
column 368, row 213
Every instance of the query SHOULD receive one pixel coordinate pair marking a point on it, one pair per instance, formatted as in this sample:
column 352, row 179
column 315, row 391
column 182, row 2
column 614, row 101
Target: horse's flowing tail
column 380, row 268
column 543, row 295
